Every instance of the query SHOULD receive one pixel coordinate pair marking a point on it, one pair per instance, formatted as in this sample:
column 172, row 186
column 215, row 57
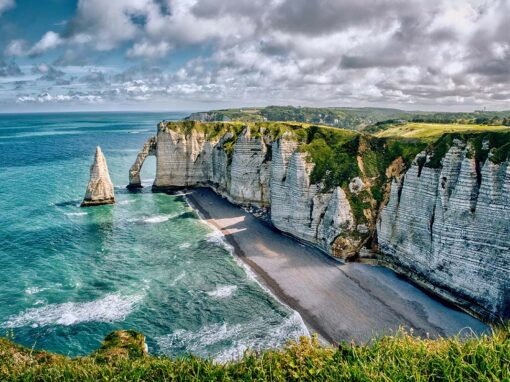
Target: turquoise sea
column 69, row 276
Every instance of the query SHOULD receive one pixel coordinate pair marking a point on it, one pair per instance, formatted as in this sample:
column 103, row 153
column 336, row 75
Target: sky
column 169, row 55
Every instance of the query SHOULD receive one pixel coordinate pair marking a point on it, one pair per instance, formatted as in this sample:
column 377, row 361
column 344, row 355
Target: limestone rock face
column 149, row 148
column 249, row 173
column 100, row 187
column 258, row 172
column 449, row 228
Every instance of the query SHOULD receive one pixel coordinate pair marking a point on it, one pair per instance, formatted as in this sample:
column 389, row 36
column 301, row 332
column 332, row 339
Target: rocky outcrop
column 149, row 148
column 100, row 187
column 449, row 229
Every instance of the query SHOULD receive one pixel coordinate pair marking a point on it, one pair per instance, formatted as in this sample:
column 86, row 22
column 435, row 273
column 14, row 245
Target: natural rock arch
column 149, row 148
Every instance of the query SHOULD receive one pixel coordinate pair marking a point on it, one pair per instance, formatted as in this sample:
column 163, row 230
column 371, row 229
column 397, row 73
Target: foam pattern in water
column 69, row 276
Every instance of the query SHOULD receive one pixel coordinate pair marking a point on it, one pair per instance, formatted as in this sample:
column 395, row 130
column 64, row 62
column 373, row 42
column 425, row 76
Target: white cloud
column 149, row 50
column 47, row 97
column 49, row 41
column 299, row 51
column 5, row 5
column 16, row 48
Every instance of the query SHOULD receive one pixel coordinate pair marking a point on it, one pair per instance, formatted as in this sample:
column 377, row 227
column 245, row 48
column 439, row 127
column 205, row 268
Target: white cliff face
column 182, row 160
column 249, row 173
column 149, row 148
column 100, row 187
column 449, row 228
column 260, row 173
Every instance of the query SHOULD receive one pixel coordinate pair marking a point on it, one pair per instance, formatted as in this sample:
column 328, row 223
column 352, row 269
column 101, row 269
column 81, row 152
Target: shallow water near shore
column 69, row 276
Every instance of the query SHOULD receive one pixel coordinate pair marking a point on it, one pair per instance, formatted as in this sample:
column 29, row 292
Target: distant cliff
column 438, row 213
column 447, row 223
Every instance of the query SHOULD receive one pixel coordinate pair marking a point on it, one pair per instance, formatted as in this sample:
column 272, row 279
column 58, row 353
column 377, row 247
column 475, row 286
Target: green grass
column 430, row 131
column 402, row 357
column 335, row 152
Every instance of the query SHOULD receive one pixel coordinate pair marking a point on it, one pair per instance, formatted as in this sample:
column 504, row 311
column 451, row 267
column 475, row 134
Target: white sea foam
column 177, row 279
column 184, row 245
column 75, row 213
column 217, row 237
column 34, row 290
column 124, row 202
column 223, row 291
column 157, row 219
column 110, row 308
column 160, row 218
column 253, row 335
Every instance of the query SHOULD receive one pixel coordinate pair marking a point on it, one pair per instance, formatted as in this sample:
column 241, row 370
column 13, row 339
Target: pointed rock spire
column 100, row 187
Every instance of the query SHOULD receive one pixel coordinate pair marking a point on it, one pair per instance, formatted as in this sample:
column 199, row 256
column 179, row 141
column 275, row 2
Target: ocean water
column 69, row 276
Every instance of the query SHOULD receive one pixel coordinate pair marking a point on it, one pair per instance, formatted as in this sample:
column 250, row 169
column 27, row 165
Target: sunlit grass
column 402, row 357
column 434, row 130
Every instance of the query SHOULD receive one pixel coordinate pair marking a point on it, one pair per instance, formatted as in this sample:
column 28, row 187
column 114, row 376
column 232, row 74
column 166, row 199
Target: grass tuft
column 402, row 357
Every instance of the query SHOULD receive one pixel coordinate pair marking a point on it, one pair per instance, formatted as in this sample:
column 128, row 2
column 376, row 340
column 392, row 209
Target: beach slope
column 340, row 301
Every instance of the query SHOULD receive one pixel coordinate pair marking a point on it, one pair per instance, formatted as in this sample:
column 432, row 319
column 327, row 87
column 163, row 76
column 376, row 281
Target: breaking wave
column 222, row 291
column 234, row 339
column 75, row 213
column 112, row 307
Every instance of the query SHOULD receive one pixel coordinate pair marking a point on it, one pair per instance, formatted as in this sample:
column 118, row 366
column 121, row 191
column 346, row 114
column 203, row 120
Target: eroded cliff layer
column 100, row 187
column 448, row 226
column 267, row 166
column 444, row 223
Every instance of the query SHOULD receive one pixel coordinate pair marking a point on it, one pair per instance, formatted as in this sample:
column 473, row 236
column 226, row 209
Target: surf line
column 266, row 282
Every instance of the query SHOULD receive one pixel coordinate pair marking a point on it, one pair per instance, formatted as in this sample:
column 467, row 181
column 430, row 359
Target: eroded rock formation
column 149, row 148
column 449, row 228
column 100, row 187
column 445, row 224
column 255, row 171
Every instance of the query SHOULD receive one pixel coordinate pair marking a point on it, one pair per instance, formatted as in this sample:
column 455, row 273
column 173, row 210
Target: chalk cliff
column 100, row 187
column 445, row 222
column 256, row 169
column 449, row 228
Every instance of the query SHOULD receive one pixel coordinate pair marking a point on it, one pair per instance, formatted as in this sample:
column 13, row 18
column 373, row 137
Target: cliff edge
column 437, row 212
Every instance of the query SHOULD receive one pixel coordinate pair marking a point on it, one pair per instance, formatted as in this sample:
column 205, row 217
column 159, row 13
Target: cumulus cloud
column 48, row 72
column 149, row 50
column 48, row 98
column 5, row 5
column 385, row 52
column 9, row 69
column 50, row 40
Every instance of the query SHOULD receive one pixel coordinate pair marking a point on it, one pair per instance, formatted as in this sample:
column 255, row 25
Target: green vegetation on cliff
column 431, row 131
column 374, row 119
column 340, row 155
column 402, row 357
column 345, row 117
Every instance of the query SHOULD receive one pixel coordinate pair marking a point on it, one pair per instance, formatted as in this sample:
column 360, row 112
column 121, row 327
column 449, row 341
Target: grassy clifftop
column 432, row 131
column 402, row 357
column 350, row 117
column 340, row 155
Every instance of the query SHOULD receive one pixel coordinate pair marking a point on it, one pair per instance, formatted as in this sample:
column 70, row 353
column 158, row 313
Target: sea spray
column 112, row 307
